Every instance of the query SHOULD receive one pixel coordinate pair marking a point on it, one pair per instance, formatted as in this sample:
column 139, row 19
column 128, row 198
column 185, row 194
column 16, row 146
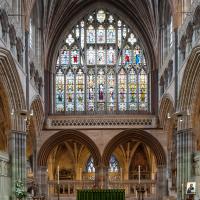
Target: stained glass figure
column 143, row 90
column 137, row 53
column 101, row 16
column 111, row 34
column 70, row 91
column 90, row 165
column 91, row 90
column 111, row 100
column 75, row 56
column 114, row 164
column 80, row 91
column 111, row 56
column 127, row 60
column 60, row 91
column 122, row 89
column 70, row 40
column 132, row 84
column 101, row 56
column 100, row 34
column 91, row 35
column 64, row 56
column 101, row 90
column 91, row 56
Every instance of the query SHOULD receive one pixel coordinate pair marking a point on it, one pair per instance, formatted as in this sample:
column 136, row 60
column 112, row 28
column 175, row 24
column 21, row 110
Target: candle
column 121, row 176
column 58, row 174
column 139, row 174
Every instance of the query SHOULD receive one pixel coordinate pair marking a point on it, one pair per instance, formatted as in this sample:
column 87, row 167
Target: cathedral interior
column 100, row 95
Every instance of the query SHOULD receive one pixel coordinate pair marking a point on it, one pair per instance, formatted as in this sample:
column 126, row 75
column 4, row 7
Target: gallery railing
column 69, row 188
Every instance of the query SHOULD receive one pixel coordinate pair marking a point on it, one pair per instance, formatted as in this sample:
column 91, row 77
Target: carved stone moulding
column 98, row 122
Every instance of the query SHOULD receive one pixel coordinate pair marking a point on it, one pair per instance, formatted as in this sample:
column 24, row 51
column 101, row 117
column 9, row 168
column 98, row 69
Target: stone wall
column 5, row 180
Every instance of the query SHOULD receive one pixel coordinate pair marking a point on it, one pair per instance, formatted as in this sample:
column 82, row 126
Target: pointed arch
column 138, row 135
column 65, row 135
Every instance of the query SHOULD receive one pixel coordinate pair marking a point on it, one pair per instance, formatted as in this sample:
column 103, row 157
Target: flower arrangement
column 19, row 190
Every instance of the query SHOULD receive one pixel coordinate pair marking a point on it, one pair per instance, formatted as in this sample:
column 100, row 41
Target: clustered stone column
column 17, row 150
column 197, row 173
column 185, row 148
column 161, row 184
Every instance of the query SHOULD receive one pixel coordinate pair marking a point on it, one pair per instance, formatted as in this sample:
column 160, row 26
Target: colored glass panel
column 90, row 165
column 101, row 56
column 111, row 94
column 64, row 56
column 137, row 55
column 101, row 16
column 111, row 56
column 59, row 91
column 70, row 40
column 70, row 91
column 122, row 90
column 100, row 34
column 101, row 90
column 91, row 35
column 143, row 95
column 111, row 35
column 132, row 84
column 114, row 164
column 80, row 91
column 91, row 56
column 127, row 57
column 91, row 90
column 75, row 56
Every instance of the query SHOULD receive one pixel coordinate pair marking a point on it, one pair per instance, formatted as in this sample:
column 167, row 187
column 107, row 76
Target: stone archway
column 150, row 141
column 58, row 139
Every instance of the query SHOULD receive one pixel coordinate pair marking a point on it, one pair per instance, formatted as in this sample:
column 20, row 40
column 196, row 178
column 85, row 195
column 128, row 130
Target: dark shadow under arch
column 60, row 137
column 138, row 135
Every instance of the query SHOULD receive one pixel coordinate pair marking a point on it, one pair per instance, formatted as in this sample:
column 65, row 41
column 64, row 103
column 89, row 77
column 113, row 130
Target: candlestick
column 139, row 174
column 58, row 174
column 121, row 175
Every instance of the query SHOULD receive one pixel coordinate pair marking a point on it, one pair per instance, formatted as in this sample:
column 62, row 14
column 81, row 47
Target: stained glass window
column 101, row 68
column 114, row 164
column 90, row 165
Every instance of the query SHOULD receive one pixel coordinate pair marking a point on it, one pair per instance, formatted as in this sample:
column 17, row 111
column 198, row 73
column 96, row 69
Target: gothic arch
column 38, row 113
column 11, row 82
column 166, row 106
column 139, row 135
column 190, row 86
column 190, row 90
column 5, row 120
column 60, row 137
